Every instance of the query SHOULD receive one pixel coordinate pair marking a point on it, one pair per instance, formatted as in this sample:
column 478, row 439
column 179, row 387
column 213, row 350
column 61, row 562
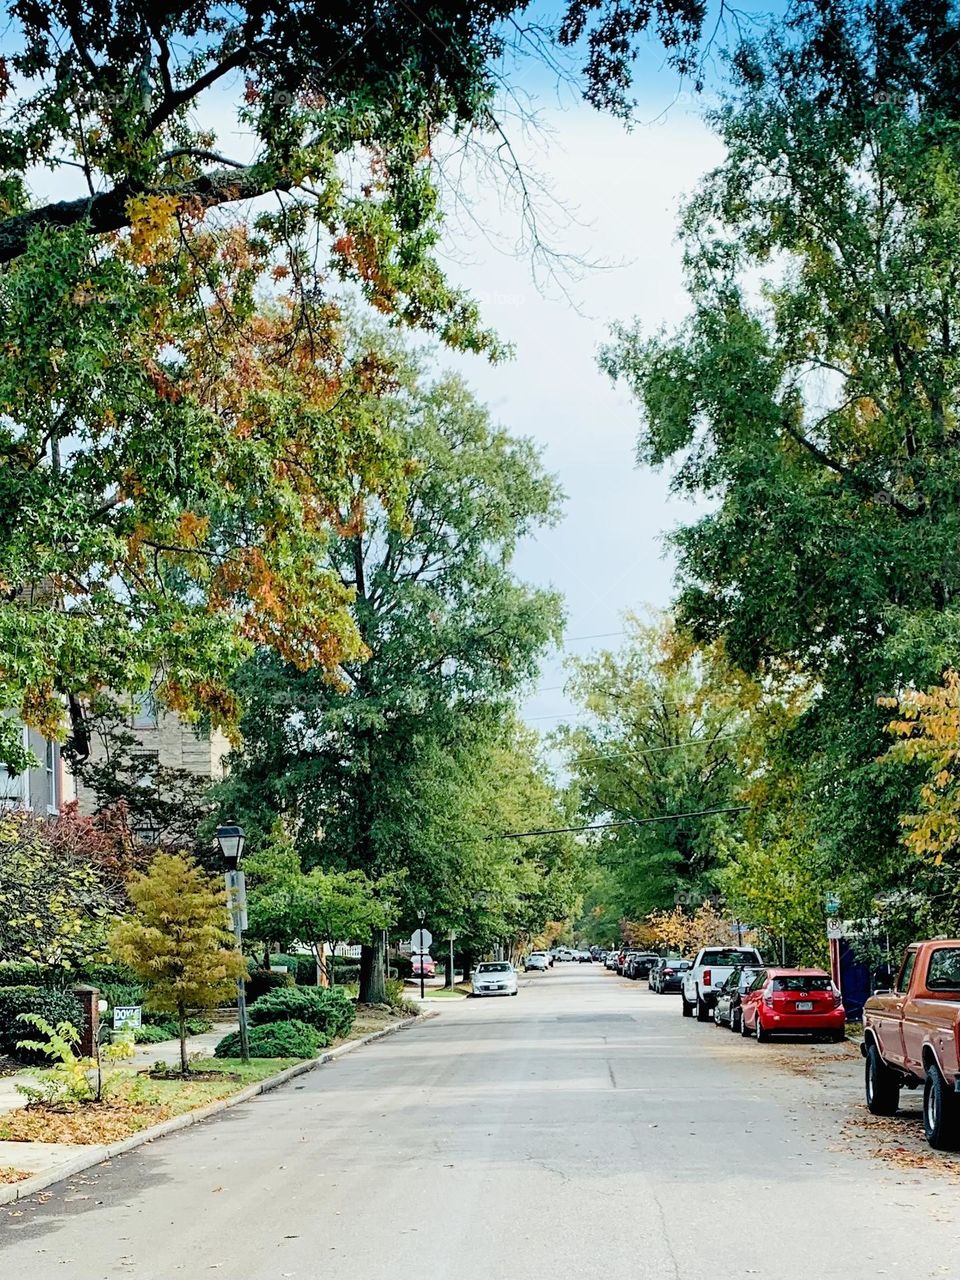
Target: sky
column 622, row 191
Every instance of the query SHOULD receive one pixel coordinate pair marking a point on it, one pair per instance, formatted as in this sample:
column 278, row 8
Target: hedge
column 55, row 1006
column 292, row 1039
column 262, row 981
column 331, row 1012
column 24, row 973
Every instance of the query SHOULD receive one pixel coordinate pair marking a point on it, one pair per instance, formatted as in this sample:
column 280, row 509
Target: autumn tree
column 177, row 941
column 448, row 634
column 58, row 898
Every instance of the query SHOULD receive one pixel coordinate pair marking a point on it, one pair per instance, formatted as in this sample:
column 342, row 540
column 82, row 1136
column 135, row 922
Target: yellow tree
column 177, row 941
column 928, row 729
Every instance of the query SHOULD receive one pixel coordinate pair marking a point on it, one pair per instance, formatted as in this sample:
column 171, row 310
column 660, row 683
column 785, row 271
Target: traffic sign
column 834, row 930
column 421, row 939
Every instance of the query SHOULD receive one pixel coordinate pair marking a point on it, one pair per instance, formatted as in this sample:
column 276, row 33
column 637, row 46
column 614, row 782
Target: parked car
column 727, row 1011
column 584, row 957
column 536, row 960
column 610, row 960
column 644, row 963
column 667, row 974
column 422, row 964
column 794, row 1001
column 709, row 970
column 621, row 960
column 911, row 1036
column 565, row 954
column 495, row 978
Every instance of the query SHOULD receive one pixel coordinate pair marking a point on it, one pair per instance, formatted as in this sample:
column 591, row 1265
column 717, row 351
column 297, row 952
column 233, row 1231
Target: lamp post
column 422, row 916
column 230, row 840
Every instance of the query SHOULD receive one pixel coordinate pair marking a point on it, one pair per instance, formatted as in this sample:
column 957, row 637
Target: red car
column 423, row 964
column 794, row 1001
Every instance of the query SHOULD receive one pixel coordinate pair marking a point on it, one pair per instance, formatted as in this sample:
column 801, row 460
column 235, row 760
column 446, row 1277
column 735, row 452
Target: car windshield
column 728, row 957
column 802, row 982
column 493, row 968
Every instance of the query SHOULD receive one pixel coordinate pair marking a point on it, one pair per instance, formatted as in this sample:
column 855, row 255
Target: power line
column 619, row 822
column 649, row 751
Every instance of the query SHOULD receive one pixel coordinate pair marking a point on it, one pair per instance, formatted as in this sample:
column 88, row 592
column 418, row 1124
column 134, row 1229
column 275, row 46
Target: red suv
column 792, row 1000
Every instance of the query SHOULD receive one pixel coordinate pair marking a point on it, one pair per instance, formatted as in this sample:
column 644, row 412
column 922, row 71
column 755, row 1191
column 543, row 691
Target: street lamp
column 230, row 841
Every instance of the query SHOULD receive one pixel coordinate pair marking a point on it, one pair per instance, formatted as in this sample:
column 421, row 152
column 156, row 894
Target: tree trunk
column 467, row 965
column 372, row 986
column 182, row 1020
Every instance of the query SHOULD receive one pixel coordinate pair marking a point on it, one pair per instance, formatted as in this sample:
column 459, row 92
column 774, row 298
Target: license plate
column 804, row 1006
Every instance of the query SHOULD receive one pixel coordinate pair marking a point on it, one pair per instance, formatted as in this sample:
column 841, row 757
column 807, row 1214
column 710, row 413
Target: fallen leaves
column 8, row 1175
column 84, row 1125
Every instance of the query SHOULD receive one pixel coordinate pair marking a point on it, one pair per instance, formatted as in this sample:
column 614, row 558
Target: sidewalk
column 145, row 1056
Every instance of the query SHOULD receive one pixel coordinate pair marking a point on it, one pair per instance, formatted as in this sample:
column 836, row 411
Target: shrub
column 261, row 981
column 148, row 1034
column 403, row 966
column 347, row 974
column 24, row 973
column 157, row 1030
column 306, row 971
column 292, row 1039
column 53, row 1006
column 331, row 1012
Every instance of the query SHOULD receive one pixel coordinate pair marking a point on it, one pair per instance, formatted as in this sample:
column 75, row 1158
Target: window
column 144, row 712
column 903, row 982
column 944, row 971
column 15, row 787
column 802, row 983
column 50, row 762
column 493, row 968
column 759, row 981
column 146, row 763
column 722, row 958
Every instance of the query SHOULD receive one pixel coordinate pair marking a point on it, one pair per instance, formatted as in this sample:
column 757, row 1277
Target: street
column 583, row 1129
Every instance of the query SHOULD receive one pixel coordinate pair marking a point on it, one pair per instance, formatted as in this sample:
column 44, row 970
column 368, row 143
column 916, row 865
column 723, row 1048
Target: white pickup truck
column 713, row 965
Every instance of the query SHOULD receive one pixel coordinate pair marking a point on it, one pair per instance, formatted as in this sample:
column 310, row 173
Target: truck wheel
column 882, row 1085
column 686, row 1008
column 941, row 1115
column 703, row 1011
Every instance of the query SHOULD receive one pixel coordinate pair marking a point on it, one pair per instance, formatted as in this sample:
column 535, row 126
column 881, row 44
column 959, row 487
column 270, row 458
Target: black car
column 726, row 1011
column 666, row 974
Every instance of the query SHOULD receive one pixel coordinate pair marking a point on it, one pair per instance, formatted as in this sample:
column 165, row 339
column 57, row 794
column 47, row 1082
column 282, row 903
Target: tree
column 817, row 410
column 56, row 902
column 289, row 905
column 659, row 742
column 358, row 766
column 928, row 728
column 177, row 941
column 117, row 96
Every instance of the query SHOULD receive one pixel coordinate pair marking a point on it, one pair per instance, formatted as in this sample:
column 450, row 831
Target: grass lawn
column 136, row 1102
column 447, row 993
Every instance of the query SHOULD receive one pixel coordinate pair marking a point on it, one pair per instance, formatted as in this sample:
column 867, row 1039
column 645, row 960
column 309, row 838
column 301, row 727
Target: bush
column 331, row 1012
column 152, row 1035
column 292, row 1039
column 24, row 973
column 403, row 966
column 163, row 1028
column 347, row 974
column 263, row 980
column 53, row 1006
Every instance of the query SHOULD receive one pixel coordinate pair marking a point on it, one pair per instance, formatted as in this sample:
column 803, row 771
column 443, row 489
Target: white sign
column 834, row 929
column 421, row 940
column 127, row 1015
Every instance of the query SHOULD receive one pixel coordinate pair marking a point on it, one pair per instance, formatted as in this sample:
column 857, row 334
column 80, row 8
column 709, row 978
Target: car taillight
column 707, row 976
column 768, row 998
column 668, row 973
column 837, row 997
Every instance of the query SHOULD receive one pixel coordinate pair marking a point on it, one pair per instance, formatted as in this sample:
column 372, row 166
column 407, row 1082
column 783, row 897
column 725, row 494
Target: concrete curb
column 99, row 1154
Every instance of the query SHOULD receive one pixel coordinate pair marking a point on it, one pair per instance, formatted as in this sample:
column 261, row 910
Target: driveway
column 583, row 1129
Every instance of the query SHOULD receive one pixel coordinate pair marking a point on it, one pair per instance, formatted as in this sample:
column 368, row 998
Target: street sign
column 831, row 904
column 421, row 939
column 236, row 886
column 834, row 930
column 127, row 1015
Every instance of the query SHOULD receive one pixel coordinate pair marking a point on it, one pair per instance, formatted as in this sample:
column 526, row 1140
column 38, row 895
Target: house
column 45, row 788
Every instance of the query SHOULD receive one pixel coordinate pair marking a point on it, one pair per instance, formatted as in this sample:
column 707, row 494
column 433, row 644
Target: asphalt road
column 583, row 1130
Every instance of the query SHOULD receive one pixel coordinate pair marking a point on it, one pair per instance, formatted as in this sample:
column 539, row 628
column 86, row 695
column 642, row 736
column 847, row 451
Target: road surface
column 583, row 1129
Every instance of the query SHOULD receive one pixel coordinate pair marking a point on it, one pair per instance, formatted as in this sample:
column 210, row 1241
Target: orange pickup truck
column 911, row 1036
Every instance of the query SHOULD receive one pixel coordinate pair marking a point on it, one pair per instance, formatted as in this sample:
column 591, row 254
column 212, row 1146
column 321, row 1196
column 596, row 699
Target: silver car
column 495, row 978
